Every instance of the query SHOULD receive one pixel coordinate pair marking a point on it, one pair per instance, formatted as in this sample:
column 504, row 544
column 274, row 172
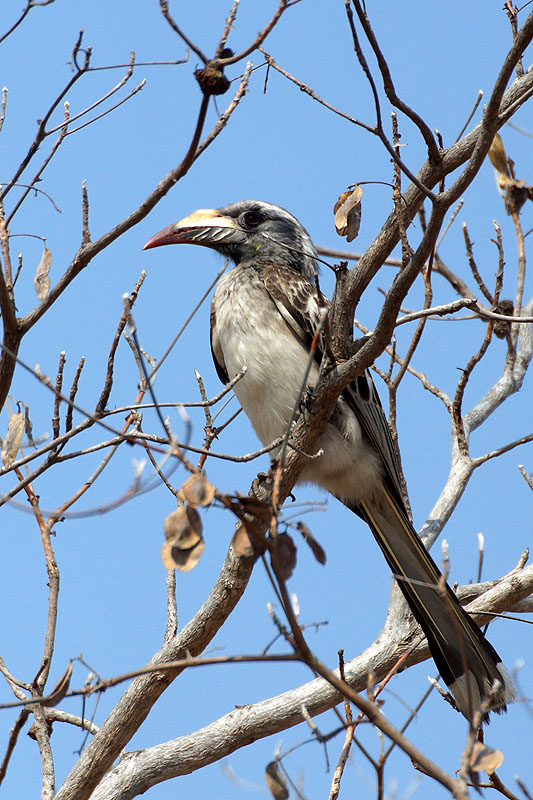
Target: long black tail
column 466, row 660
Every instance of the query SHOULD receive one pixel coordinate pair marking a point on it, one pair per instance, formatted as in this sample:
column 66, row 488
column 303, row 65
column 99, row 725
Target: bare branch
column 87, row 252
column 13, row 738
column 227, row 734
column 256, row 44
column 175, row 27
column 433, row 151
column 27, row 8
column 438, row 311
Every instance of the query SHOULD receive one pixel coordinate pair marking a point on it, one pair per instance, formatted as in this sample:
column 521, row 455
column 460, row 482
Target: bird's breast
column 249, row 331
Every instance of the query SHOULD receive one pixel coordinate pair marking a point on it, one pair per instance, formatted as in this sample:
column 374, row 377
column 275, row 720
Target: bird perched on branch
column 264, row 315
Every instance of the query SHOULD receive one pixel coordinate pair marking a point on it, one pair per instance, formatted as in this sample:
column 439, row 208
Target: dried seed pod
column 197, row 491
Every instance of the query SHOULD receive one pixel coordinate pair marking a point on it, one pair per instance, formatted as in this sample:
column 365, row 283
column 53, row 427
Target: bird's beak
column 205, row 226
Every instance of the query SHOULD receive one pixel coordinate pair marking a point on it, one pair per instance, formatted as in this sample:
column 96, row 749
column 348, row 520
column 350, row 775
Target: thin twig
column 438, row 311
column 458, row 422
column 434, row 155
column 473, row 266
column 109, row 110
column 13, row 738
column 27, row 8
column 256, row 44
column 163, row 4
column 41, row 129
column 59, row 386
column 470, row 116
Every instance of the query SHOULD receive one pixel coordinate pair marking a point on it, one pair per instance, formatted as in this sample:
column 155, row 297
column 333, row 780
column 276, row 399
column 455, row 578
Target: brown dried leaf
column 255, row 515
column 259, row 509
column 317, row 549
column 183, row 527
column 276, row 782
column 174, row 557
column 11, row 443
column 347, row 212
column 242, row 543
column 497, row 157
column 41, row 281
column 61, row 688
column 485, row 758
column 516, row 194
column 184, row 545
column 286, row 555
column 197, row 491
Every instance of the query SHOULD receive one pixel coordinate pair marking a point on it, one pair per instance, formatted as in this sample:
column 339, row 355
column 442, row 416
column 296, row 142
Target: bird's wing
column 296, row 300
column 216, row 350
column 362, row 397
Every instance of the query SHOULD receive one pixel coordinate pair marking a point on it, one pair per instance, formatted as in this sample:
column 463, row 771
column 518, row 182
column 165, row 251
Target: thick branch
column 246, row 724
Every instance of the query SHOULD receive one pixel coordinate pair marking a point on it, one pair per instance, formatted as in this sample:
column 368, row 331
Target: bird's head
column 253, row 231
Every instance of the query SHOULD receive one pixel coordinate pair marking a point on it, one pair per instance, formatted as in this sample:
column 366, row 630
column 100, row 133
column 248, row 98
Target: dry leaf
column 185, row 544
column 61, row 688
column 13, row 437
column 485, row 759
column 276, row 782
column 259, row 509
column 514, row 192
column 242, row 543
column 197, row 491
column 183, row 527
column 317, row 550
column 498, row 159
column 255, row 516
column 184, row 560
column 41, row 281
column 347, row 212
column 286, row 555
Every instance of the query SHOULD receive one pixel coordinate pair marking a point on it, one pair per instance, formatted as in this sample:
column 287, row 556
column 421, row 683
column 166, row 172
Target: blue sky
column 282, row 147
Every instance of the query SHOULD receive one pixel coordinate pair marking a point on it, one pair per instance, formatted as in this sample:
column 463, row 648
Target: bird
column 264, row 314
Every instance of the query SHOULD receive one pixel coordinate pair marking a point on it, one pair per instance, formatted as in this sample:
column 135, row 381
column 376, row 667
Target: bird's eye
column 251, row 219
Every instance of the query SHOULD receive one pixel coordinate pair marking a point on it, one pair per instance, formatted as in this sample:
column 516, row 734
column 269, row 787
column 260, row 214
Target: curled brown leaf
column 61, row 688
column 347, row 212
column 276, row 782
column 174, row 557
column 317, row 549
column 13, row 438
column 183, row 526
column 242, row 543
column 197, row 491
column 41, row 281
column 285, row 555
column 485, row 759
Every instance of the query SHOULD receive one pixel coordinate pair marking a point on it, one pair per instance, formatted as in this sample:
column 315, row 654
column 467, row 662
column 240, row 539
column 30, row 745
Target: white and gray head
column 249, row 231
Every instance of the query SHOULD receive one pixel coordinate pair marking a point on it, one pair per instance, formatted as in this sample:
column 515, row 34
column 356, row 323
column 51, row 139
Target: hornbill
column 264, row 315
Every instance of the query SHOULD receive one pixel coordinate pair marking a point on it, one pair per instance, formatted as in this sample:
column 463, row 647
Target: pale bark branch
column 141, row 770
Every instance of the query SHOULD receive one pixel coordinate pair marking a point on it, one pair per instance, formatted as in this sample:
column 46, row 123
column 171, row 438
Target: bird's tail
column 466, row 660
